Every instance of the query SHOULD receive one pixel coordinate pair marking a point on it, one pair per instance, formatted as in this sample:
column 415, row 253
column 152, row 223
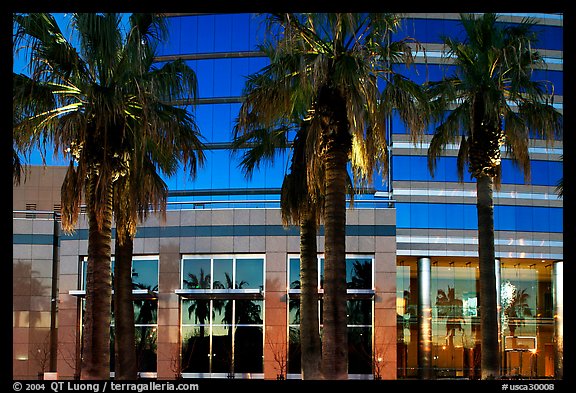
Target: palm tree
column 493, row 103
column 93, row 105
column 329, row 66
column 142, row 188
column 298, row 207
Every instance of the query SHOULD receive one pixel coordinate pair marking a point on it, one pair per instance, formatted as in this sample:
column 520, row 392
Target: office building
column 216, row 283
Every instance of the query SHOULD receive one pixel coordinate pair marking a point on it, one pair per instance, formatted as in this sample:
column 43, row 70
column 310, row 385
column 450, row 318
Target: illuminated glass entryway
column 527, row 318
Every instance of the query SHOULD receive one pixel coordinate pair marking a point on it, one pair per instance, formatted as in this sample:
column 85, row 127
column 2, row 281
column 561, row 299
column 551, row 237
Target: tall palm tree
column 494, row 103
column 330, row 65
column 298, row 207
column 142, row 189
column 93, row 104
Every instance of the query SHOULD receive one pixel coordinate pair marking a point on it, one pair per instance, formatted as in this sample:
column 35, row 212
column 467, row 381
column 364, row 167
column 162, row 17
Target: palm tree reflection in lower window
column 223, row 346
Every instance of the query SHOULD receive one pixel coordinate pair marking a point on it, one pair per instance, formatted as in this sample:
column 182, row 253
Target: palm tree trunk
column 126, row 366
column 490, row 355
column 96, row 332
column 337, row 143
column 311, row 349
column 335, row 334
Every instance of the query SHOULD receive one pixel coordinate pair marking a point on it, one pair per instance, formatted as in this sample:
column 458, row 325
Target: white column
column 424, row 319
column 558, row 290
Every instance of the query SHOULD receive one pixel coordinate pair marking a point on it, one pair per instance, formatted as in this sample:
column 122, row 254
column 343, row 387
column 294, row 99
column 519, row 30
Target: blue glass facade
column 223, row 49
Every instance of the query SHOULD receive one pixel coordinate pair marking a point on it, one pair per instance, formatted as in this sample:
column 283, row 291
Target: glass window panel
column 321, row 273
column 294, row 311
column 419, row 215
column 220, row 169
column 511, row 173
column 206, row 26
column 188, row 37
column 524, row 218
column 84, row 273
column 359, row 312
column 294, row 273
column 248, row 349
column 146, row 311
column 146, row 347
column 470, row 217
column 237, row 176
column 222, row 311
column 112, row 349
column 359, row 273
column 195, row 349
column 555, row 173
column 195, row 311
column 223, row 39
column 551, row 37
column 203, row 179
column 205, row 74
column 171, row 45
column 196, row 274
column 249, row 274
column 419, row 169
column 204, row 115
column 249, row 312
column 359, row 350
column 240, row 35
column 221, row 349
column 518, row 297
column 223, row 76
column 454, row 312
column 275, row 173
column 402, row 215
column 223, row 124
column 554, row 77
column 222, row 272
column 455, row 216
column 294, row 357
column 556, row 219
column 240, row 69
column 539, row 173
column 145, row 274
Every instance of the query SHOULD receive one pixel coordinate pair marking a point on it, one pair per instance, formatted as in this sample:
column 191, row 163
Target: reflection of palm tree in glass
column 201, row 310
column 517, row 310
column 359, row 312
column 201, row 307
column 146, row 316
column 294, row 303
column 452, row 309
column 247, row 312
column 361, row 275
